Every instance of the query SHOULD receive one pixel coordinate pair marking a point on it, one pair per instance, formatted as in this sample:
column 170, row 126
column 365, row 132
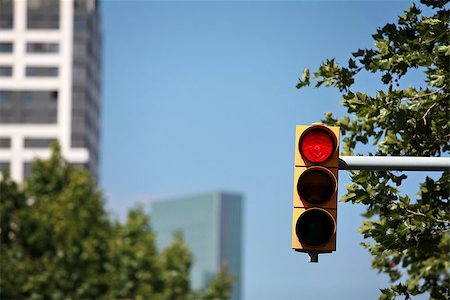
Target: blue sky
column 200, row 96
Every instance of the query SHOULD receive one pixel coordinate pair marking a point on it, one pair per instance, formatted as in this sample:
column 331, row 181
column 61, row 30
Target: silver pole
column 402, row 163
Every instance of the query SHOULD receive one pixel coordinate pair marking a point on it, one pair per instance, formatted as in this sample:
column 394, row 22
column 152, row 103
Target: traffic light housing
column 315, row 189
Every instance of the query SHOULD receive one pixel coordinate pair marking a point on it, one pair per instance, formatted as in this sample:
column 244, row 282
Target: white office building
column 49, row 82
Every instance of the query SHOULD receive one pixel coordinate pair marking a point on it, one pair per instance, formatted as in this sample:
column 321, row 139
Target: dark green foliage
column 409, row 239
column 57, row 242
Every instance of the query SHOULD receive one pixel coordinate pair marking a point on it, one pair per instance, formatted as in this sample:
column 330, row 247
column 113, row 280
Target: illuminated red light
column 317, row 145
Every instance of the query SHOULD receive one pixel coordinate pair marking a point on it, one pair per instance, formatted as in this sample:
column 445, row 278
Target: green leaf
column 444, row 49
column 305, row 81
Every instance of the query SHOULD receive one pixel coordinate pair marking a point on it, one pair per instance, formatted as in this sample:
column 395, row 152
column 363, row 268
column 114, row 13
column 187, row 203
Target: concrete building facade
column 211, row 224
column 50, row 61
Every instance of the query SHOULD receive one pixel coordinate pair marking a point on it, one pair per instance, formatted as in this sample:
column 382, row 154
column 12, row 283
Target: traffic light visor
column 316, row 185
column 315, row 227
column 317, row 144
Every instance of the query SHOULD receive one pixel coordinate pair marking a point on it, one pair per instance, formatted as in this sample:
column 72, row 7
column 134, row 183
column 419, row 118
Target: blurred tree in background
column 219, row 287
column 58, row 242
column 54, row 234
column 409, row 238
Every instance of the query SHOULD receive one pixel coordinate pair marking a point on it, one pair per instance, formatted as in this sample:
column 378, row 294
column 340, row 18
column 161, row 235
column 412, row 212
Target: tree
column 408, row 237
column 58, row 242
column 177, row 262
column 219, row 287
column 134, row 266
column 8, row 222
column 55, row 238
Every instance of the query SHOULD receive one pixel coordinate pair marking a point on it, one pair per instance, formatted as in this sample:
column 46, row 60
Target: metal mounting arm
column 401, row 163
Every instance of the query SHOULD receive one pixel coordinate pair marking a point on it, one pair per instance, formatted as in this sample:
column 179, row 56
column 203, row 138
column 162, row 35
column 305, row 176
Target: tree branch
column 418, row 213
column 429, row 94
column 426, row 113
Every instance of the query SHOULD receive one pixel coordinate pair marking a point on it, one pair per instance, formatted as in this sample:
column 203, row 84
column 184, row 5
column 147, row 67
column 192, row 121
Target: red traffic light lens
column 317, row 145
column 315, row 227
column 316, row 185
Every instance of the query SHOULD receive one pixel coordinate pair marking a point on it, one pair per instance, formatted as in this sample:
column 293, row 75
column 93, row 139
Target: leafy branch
column 409, row 240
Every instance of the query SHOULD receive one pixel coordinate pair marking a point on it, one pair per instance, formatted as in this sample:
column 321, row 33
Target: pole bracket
column 400, row 163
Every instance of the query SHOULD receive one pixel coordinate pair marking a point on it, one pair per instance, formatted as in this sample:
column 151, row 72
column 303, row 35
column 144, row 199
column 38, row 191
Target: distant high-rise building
column 211, row 224
column 49, row 82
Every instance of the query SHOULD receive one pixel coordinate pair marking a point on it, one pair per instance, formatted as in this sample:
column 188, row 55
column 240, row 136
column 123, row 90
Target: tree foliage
column 408, row 237
column 58, row 242
column 219, row 287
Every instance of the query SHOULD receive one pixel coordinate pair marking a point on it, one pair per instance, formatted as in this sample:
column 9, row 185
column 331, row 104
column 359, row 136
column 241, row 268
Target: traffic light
column 315, row 190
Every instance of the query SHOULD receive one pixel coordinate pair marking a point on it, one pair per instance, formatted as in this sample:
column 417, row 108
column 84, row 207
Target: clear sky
column 200, row 96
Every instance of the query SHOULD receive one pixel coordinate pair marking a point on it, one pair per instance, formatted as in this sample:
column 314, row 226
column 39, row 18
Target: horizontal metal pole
column 401, row 163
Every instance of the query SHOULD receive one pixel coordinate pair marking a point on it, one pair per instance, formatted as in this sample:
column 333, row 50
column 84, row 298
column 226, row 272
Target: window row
column 7, row 71
column 32, row 143
column 41, row 14
column 28, row 107
column 35, row 47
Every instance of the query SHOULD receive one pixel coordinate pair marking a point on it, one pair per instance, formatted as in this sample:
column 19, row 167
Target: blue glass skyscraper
column 212, row 229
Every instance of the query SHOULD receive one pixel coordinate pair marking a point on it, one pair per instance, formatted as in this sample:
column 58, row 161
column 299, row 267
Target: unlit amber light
column 316, row 185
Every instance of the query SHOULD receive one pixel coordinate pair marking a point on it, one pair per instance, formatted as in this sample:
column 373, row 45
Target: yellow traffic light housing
column 315, row 190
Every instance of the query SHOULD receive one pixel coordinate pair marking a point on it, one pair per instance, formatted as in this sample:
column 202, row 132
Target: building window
column 79, row 48
column 5, row 143
column 41, row 71
column 6, row 47
column 79, row 23
column 6, row 14
column 79, row 74
column 4, row 166
column 79, row 140
column 28, row 107
column 42, row 47
column 27, row 169
column 5, row 71
column 43, row 14
column 85, row 5
column 39, row 142
column 5, row 95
